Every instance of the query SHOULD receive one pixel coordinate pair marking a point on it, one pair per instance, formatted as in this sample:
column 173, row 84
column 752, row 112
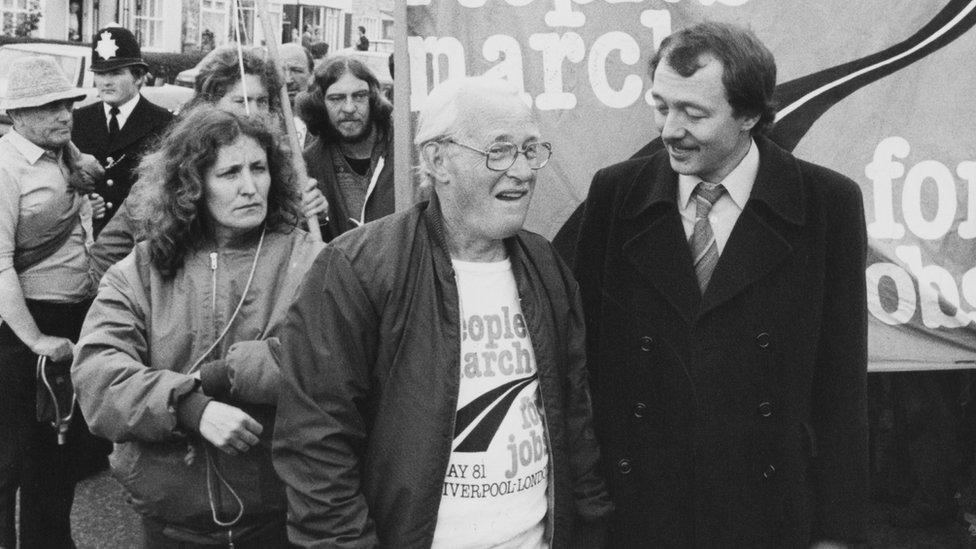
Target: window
column 333, row 28
column 75, row 21
column 213, row 23
column 16, row 17
column 387, row 29
column 149, row 23
column 245, row 18
column 372, row 25
column 217, row 17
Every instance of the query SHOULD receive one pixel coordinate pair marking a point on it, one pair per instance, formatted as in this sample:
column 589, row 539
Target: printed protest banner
column 879, row 91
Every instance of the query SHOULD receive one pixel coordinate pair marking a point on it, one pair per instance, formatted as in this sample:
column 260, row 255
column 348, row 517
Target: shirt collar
column 26, row 147
column 738, row 183
column 125, row 109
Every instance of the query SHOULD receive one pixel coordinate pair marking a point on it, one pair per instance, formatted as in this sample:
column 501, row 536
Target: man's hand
column 313, row 202
column 97, row 204
column 58, row 349
column 229, row 428
column 85, row 171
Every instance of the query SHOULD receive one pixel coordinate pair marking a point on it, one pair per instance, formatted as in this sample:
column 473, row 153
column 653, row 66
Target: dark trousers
column 260, row 533
column 30, row 457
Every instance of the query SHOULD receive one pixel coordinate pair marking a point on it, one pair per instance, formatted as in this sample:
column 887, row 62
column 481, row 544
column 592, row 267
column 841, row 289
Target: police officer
column 120, row 127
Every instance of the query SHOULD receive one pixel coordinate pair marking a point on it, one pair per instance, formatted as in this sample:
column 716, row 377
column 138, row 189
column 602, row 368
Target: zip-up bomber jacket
column 370, row 370
column 131, row 372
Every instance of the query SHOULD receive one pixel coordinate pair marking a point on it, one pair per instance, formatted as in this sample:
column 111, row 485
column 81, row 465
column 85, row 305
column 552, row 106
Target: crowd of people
column 437, row 376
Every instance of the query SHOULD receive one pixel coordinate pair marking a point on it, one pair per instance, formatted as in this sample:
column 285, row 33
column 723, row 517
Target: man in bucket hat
column 45, row 290
column 119, row 128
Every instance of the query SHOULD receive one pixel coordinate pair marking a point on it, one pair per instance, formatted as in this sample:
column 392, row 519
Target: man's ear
column 749, row 122
column 435, row 159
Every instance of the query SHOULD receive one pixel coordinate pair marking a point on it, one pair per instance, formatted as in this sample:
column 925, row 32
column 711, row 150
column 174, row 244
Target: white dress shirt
column 125, row 109
column 725, row 212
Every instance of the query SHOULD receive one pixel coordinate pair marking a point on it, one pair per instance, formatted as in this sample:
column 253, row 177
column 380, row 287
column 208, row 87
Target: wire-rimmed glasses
column 501, row 155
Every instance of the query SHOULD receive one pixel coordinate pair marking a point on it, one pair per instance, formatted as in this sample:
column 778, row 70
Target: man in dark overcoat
column 118, row 129
column 724, row 292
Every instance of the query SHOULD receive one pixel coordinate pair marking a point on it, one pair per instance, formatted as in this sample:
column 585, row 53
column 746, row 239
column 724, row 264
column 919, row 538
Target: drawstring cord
column 247, row 286
column 211, row 471
column 211, row 464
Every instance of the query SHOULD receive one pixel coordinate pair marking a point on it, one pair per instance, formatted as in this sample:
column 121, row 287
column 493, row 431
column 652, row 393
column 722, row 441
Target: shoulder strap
column 25, row 258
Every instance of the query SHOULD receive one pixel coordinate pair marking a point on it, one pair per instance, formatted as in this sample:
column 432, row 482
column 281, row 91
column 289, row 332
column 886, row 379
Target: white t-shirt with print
column 494, row 492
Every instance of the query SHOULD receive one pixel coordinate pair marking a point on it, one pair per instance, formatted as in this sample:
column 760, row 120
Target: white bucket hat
column 35, row 81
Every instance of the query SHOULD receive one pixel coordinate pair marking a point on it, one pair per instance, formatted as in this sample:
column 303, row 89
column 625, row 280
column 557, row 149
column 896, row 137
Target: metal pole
column 297, row 161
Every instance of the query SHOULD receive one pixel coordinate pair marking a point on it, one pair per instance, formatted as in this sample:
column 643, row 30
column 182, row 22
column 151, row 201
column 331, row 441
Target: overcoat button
column 646, row 343
column 109, row 182
column 624, row 466
column 769, row 472
column 639, row 409
column 765, row 409
column 762, row 340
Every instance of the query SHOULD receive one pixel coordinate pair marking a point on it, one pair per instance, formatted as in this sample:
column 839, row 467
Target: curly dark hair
column 172, row 207
column 749, row 69
column 220, row 70
column 310, row 106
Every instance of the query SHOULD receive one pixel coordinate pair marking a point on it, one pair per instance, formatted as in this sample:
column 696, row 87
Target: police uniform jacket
column 90, row 133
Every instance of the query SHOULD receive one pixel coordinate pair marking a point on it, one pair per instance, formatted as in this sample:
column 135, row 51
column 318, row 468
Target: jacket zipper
column 213, row 291
column 519, row 273
column 457, row 389
column 369, row 190
column 551, row 481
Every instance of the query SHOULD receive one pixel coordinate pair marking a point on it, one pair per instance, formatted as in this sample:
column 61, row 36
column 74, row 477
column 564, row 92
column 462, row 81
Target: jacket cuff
column 189, row 409
column 214, row 378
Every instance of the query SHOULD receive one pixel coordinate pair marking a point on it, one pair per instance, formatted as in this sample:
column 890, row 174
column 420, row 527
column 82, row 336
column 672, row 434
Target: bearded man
column 352, row 159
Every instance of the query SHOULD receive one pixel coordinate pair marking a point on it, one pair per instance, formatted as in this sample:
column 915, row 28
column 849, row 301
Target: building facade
column 377, row 17
column 188, row 25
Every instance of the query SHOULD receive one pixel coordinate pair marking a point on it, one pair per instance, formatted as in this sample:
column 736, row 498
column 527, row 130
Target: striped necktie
column 704, row 249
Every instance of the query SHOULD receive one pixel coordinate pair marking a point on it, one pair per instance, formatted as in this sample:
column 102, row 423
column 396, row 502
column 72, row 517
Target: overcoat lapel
column 753, row 248
column 659, row 251
column 97, row 125
column 759, row 240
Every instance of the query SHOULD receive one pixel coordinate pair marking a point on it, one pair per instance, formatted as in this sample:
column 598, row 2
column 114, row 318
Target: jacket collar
column 136, row 126
column 125, row 110
column 778, row 184
column 760, row 241
column 30, row 151
column 435, row 225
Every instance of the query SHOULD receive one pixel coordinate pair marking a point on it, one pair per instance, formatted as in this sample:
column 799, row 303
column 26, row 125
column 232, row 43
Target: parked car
column 75, row 61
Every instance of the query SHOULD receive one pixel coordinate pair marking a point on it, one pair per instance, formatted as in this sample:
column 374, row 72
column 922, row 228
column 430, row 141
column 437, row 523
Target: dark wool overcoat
column 736, row 418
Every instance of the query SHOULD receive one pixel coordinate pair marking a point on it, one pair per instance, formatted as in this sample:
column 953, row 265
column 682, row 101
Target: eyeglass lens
column 502, row 155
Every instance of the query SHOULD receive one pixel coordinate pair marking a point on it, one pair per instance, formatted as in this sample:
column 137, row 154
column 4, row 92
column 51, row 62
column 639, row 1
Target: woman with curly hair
column 218, row 84
column 176, row 360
